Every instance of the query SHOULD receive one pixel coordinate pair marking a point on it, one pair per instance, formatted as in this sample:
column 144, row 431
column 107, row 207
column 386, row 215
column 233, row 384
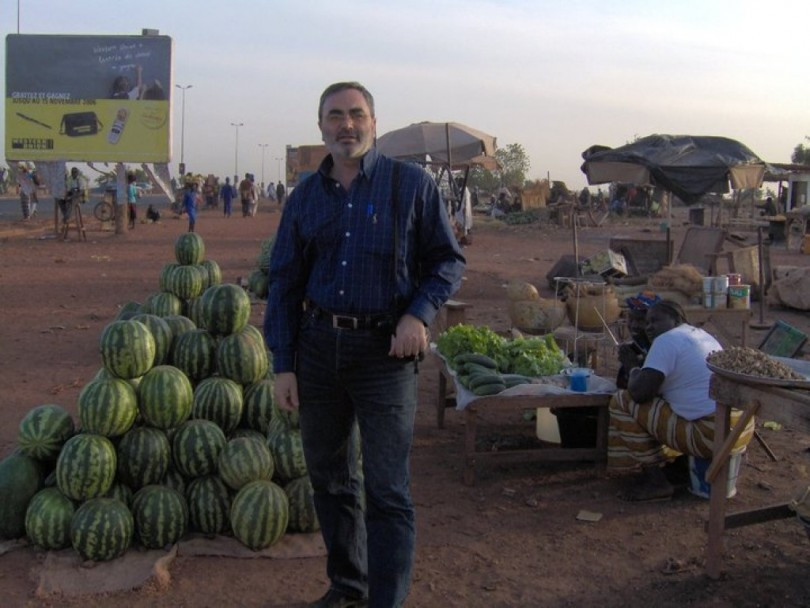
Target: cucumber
column 476, row 369
column 489, row 389
column 482, row 379
column 477, row 358
column 511, row 380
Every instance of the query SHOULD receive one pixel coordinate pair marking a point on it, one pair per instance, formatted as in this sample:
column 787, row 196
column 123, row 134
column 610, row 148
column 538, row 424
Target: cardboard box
column 606, row 263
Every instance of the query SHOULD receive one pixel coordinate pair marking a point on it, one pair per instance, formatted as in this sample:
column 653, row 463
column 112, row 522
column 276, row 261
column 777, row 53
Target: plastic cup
column 579, row 379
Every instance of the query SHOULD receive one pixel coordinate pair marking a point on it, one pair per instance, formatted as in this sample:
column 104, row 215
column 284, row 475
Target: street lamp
column 236, row 148
column 279, row 159
column 183, row 124
column 263, row 146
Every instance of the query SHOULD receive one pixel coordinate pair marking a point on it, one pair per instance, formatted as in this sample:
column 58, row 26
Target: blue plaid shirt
column 335, row 247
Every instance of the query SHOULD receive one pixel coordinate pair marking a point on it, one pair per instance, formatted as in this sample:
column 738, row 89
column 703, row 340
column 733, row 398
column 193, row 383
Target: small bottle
column 118, row 125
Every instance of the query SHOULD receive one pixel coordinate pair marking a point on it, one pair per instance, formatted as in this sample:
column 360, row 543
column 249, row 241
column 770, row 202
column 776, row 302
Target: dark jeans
column 66, row 207
column 343, row 376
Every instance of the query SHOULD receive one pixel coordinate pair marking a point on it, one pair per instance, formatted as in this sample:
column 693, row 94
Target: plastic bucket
column 739, row 296
column 697, row 475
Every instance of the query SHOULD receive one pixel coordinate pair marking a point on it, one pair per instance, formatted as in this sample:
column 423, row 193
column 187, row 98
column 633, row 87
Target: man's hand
column 409, row 339
column 285, row 391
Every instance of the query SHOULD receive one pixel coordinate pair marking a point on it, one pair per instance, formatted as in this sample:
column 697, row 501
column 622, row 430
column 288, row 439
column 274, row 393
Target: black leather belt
column 380, row 321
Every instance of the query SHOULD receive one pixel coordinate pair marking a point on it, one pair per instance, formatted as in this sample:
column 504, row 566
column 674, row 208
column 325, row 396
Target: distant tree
column 514, row 164
column 484, row 179
column 801, row 154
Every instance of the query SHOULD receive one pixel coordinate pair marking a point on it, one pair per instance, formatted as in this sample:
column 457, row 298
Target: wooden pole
column 761, row 323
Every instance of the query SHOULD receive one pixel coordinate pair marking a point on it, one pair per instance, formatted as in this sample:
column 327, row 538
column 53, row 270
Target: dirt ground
column 511, row 540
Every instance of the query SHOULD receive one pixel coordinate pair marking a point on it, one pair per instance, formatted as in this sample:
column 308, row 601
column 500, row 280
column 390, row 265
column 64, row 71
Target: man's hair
column 344, row 86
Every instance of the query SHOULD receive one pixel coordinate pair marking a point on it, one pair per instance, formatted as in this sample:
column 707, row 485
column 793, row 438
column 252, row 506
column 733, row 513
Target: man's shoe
column 335, row 598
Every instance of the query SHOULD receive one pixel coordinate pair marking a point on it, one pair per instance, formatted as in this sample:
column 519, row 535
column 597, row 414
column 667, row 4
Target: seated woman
column 666, row 408
column 633, row 352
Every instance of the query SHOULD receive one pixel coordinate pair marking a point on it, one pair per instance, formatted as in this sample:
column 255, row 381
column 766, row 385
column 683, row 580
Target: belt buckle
column 344, row 322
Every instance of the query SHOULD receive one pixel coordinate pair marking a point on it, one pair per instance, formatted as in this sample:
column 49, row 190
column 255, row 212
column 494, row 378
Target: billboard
column 88, row 98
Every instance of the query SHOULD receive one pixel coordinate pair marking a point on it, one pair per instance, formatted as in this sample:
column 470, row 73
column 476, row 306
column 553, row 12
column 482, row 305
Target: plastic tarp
column 688, row 166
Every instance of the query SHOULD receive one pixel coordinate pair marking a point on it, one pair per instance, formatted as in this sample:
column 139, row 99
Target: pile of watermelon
column 176, row 433
column 258, row 278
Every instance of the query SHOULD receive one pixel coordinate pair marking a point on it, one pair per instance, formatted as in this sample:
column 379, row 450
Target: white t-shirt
column 680, row 354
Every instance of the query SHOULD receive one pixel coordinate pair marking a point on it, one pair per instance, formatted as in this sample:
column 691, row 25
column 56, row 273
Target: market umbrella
column 688, row 166
column 448, row 143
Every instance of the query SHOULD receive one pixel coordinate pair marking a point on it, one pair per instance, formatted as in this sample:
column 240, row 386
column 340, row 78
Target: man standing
column 246, row 194
column 280, row 192
column 364, row 258
column 226, row 192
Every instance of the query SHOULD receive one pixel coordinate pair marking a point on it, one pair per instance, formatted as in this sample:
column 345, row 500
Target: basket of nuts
column 752, row 366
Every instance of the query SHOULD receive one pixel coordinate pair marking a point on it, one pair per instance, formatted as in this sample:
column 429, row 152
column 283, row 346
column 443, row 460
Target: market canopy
column 448, row 143
column 688, row 166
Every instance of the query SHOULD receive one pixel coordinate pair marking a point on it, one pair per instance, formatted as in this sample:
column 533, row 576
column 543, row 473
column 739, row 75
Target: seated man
column 666, row 408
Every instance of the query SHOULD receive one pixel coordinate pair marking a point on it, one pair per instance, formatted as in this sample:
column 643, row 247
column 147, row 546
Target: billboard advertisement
column 88, row 98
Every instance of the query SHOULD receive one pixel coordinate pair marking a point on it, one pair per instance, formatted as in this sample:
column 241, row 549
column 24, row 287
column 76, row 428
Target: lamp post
column 183, row 124
column 236, row 148
column 279, row 159
column 263, row 147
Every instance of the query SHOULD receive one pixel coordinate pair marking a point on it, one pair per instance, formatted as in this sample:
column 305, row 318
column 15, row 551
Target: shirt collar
column 367, row 166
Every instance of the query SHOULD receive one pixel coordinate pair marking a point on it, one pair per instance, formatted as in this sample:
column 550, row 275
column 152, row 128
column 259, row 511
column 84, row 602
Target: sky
column 554, row 77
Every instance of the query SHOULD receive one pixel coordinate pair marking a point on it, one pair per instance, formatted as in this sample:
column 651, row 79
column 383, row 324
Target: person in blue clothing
column 132, row 199
column 364, row 258
column 190, row 203
column 227, row 194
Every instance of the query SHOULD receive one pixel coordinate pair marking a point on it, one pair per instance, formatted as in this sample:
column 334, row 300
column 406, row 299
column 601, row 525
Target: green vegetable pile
column 539, row 356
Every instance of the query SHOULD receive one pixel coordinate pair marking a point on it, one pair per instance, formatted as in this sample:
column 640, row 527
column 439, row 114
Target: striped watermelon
column 193, row 309
column 196, row 447
column 161, row 516
column 164, row 304
column 104, row 374
column 165, row 397
column 257, row 408
column 107, row 407
column 194, row 352
column 128, row 310
column 120, row 491
column 254, row 332
column 288, row 453
column 244, row 460
column 226, row 309
column 258, row 283
column 127, row 349
column 189, row 248
column 162, row 334
column 20, row 479
column 164, row 278
column 186, row 282
column 102, row 529
column 208, row 504
column 214, row 272
column 86, row 466
column 259, row 514
column 249, row 433
column 303, row 517
column 179, row 324
column 143, row 457
column 219, row 400
column 43, row 432
column 241, row 358
column 174, row 480
column 47, row 520
column 263, row 261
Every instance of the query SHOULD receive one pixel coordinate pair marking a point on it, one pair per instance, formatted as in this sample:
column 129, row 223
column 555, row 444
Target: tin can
column 708, row 284
column 720, row 284
column 708, row 300
column 734, row 278
column 739, row 296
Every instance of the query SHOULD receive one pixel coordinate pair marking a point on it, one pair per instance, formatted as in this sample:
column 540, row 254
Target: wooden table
column 787, row 406
column 722, row 319
column 518, row 404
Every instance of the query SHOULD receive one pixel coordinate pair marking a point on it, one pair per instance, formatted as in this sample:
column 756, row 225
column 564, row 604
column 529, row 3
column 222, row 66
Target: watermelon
column 127, row 349
column 189, row 248
column 287, row 449
column 259, row 514
column 47, row 520
column 257, row 406
column 226, row 309
column 249, row 433
column 214, row 272
column 263, row 261
column 196, row 447
column 187, row 281
column 20, row 479
column 165, row 397
column 241, row 358
column 120, row 491
column 243, row 460
column 127, row 311
column 104, row 374
column 193, row 309
column 164, row 278
column 254, row 332
column 107, row 407
column 208, row 504
column 179, row 324
column 303, row 517
column 174, row 480
column 164, row 304
column 144, row 454
column 161, row 333
column 161, row 516
column 86, row 466
column 258, row 284
column 218, row 400
column 102, row 529
column 194, row 352
column 43, row 431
